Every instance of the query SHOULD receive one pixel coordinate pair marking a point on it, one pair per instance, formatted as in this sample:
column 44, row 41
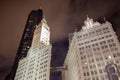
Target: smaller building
column 90, row 50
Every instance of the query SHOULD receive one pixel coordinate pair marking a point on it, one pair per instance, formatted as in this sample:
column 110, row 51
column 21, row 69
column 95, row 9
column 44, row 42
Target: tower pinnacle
column 43, row 19
column 89, row 23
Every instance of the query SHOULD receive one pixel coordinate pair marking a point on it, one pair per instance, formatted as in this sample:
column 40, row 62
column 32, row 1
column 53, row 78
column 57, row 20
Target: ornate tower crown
column 89, row 23
column 41, row 34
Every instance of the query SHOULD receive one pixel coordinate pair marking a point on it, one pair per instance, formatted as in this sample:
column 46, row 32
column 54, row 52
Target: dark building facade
column 34, row 18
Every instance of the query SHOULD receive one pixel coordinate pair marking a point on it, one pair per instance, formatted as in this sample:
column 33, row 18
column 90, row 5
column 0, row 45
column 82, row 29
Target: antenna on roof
column 40, row 7
column 104, row 19
column 75, row 29
column 87, row 16
column 43, row 19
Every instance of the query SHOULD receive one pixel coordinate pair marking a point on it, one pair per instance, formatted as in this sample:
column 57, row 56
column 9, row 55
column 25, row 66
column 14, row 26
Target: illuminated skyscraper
column 90, row 51
column 36, row 65
column 34, row 18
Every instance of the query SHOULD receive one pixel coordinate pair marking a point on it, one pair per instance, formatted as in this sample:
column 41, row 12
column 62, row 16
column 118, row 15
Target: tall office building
column 90, row 50
column 36, row 65
column 34, row 18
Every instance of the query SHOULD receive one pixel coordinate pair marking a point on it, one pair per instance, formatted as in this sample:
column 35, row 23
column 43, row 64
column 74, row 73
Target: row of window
column 105, row 30
column 99, row 65
column 100, row 58
column 96, row 44
column 102, row 77
column 87, row 42
column 94, row 72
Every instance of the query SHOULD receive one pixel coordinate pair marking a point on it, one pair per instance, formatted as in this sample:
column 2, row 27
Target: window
column 92, row 72
column 97, row 78
column 110, row 45
column 91, row 40
column 98, row 65
column 81, row 53
column 96, row 44
column 106, row 27
column 84, row 74
column 95, row 71
column 102, row 37
column 105, row 46
column 104, row 42
column 114, row 55
column 90, row 66
column 100, row 71
column 117, row 61
column 95, row 39
column 113, row 44
column 93, row 78
column 102, row 78
column 97, row 59
column 102, row 47
column 118, row 54
column 88, row 74
column 92, row 60
column 106, row 77
column 103, row 28
column 94, row 66
column 104, row 70
column 93, row 45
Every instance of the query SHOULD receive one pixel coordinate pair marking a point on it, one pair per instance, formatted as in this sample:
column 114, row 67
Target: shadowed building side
column 34, row 18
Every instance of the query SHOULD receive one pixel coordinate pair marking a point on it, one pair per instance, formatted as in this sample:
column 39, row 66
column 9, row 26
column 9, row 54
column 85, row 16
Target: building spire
column 76, row 30
column 40, row 7
column 43, row 19
column 87, row 16
column 104, row 19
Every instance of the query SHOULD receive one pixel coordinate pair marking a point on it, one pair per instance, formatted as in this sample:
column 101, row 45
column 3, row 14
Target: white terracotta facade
column 90, row 50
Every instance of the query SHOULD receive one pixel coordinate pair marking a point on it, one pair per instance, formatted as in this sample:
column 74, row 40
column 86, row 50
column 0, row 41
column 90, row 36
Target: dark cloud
column 63, row 17
column 115, row 20
column 3, row 70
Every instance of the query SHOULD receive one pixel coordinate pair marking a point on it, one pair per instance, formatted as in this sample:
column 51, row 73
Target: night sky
column 63, row 16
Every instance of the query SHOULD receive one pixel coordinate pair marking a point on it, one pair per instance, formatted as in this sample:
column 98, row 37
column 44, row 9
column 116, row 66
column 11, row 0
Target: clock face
column 45, row 34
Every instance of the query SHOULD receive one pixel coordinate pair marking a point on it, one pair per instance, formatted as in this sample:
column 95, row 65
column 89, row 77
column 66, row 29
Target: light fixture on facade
column 109, row 57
